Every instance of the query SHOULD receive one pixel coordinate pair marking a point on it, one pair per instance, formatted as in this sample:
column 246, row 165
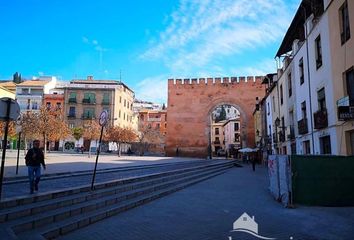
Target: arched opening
column 226, row 130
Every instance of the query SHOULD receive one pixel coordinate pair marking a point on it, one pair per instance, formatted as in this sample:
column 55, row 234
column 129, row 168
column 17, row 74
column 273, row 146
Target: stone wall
column 191, row 101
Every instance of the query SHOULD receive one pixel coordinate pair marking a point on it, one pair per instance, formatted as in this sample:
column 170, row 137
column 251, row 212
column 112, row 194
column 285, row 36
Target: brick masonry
column 191, row 102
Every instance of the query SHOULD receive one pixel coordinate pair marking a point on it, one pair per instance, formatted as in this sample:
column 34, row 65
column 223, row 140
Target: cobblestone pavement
column 207, row 211
column 22, row 188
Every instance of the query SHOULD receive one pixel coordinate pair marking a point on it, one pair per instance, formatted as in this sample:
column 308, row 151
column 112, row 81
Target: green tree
column 222, row 115
column 77, row 133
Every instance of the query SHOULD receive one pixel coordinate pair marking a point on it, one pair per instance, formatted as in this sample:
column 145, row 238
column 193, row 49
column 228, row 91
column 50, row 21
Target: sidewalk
column 207, row 211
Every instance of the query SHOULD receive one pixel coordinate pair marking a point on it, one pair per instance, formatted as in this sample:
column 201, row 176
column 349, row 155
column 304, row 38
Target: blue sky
column 147, row 41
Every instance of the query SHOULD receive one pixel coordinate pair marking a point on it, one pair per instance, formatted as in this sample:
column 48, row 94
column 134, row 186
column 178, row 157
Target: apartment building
column 156, row 119
column 217, row 136
column 86, row 99
column 29, row 94
column 305, row 103
column 232, row 134
column 341, row 28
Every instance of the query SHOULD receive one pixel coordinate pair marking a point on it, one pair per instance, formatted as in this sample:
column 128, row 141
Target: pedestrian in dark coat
column 34, row 160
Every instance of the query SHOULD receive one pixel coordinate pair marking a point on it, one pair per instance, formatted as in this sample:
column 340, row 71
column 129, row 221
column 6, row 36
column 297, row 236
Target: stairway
column 49, row 215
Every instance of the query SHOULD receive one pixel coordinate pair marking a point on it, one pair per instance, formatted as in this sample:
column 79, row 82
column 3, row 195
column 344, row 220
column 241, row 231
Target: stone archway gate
column 190, row 103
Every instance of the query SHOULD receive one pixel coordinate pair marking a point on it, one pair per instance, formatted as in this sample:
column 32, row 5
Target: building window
column 120, row 99
column 125, row 102
column 89, row 113
column 344, row 23
column 303, row 109
column 318, row 52
column 349, row 80
column 321, row 96
column 237, row 137
column 123, row 116
column 89, row 98
column 71, row 125
column 281, row 94
column 72, row 112
column 216, row 131
column 236, row 126
column 306, row 147
column 301, row 71
column 58, row 105
column 106, row 98
column 289, row 85
column 273, row 104
column 268, row 108
column 48, row 105
column 325, row 144
column 72, row 97
column 34, row 105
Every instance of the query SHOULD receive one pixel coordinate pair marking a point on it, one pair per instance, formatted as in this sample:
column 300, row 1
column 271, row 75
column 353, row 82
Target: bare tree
column 147, row 137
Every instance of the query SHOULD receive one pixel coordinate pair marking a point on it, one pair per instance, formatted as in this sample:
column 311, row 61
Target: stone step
column 67, row 225
column 20, row 179
column 18, row 201
column 93, row 201
column 41, row 219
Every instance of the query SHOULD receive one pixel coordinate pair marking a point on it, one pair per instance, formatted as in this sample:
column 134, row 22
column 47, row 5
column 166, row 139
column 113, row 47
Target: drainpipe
column 309, row 80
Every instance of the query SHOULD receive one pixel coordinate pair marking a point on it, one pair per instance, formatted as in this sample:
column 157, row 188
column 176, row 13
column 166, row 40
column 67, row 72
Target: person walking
column 34, row 159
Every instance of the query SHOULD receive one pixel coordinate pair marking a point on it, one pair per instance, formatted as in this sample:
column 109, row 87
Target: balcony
column 154, row 119
column 88, row 101
column 321, row 119
column 291, row 135
column 281, row 136
column 72, row 100
column 302, row 125
column 216, row 142
column 72, row 115
column 87, row 116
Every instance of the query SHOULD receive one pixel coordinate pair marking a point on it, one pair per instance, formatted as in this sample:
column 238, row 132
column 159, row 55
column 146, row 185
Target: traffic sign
column 14, row 109
column 103, row 118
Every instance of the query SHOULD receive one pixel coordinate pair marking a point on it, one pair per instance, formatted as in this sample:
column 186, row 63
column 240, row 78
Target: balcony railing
column 321, row 119
column 154, row 119
column 281, row 136
column 216, row 142
column 88, row 101
column 105, row 102
column 291, row 136
column 302, row 125
column 87, row 116
column 72, row 100
column 72, row 115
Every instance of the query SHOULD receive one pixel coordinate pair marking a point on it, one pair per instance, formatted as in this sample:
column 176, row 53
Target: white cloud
column 199, row 32
column 94, row 42
column 152, row 89
column 260, row 69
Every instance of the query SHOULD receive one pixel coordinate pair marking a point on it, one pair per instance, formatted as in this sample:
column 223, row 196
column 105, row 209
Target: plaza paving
column 58, row 162
column 207, row 211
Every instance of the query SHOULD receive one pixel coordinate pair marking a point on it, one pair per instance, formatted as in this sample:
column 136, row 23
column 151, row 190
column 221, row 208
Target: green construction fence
column 322, row 180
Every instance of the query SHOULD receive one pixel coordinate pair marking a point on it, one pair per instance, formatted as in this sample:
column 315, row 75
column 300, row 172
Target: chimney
column 89, row 78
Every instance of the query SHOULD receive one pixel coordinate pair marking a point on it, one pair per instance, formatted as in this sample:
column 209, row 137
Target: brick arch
column 190, row 103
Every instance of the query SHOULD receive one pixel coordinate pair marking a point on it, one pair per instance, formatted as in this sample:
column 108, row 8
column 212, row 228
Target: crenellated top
column 217, row 80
